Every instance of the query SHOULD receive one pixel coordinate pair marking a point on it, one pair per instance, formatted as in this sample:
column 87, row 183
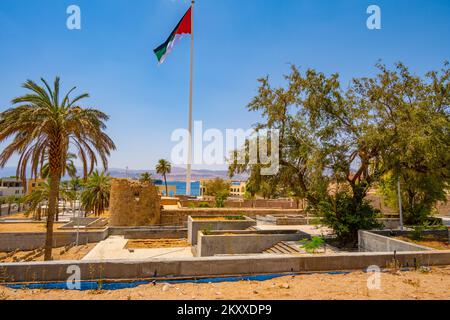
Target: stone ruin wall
column 133, row 203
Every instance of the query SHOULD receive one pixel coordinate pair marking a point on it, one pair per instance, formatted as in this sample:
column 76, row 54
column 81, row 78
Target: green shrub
column 204, row 205
column 312, row 245
column 416, row 234
column 346, row 216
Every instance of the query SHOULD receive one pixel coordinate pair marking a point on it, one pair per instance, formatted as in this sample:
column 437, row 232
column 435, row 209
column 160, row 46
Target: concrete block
column 196, row 224
column 243, row 242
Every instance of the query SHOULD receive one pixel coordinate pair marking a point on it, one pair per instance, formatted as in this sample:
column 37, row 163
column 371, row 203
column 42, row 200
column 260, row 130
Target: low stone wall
column 179, row 217
column 149, row 233
column 194, row 226
column 257, row 203
column 289, row 221
column 86, row 223
column 440, row 234
column 242, row 242
column 212, row 266
column 372, row 242
column 28, row 241
column 390, row 223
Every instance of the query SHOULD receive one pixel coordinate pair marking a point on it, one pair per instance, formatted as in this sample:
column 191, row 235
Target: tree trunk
column 165, row 181
column 52, row 211
column 55, row 180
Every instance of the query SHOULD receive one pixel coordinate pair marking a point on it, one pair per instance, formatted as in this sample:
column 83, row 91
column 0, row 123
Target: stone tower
column 133, row 203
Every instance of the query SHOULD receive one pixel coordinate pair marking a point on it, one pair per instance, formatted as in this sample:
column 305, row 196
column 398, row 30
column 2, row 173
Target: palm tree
column 69, row 168
column 164, row 167
column 145, row 177
column 10, row 200
column 43, row 124
column 95, row 197
column 75, row 185
column 37, row 198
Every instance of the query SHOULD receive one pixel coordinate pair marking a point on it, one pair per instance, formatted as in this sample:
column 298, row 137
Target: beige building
column 33, row 183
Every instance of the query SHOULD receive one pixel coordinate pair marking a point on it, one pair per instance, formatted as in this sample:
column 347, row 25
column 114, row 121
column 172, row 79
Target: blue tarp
column 100, row 285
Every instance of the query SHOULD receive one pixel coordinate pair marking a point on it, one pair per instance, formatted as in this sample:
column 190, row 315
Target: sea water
column 181, row 187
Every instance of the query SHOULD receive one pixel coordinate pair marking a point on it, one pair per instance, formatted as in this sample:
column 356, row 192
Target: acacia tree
column 325, row 140
column 41, row 124
column 413, row 113
column 336, row 144
column 219, row 189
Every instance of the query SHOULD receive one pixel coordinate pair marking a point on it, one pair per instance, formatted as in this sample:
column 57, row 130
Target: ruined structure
column 133, row 203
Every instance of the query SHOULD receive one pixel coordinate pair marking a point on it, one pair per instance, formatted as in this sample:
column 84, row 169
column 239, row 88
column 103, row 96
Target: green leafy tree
column 326, row 138
column 413, row 113
column 41, row 123
column 163, row 168
column 219, row 189
column 96, row 193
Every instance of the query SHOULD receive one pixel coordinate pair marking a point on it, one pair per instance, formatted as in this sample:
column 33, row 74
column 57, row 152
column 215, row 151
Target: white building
column 11, row 187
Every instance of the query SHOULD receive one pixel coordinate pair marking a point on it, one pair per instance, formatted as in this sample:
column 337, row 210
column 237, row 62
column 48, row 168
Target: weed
column 312, row 245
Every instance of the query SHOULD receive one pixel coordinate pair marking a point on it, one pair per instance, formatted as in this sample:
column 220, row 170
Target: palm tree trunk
column 52, row 209
column 165, row 181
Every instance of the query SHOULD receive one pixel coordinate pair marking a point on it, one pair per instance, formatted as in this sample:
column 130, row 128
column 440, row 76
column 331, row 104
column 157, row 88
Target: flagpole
column 189, row 164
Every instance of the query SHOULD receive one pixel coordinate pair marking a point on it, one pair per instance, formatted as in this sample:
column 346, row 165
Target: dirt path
column 405, row 285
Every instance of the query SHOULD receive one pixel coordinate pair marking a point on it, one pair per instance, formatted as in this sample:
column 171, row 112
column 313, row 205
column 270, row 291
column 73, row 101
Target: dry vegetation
column 157, row 243
column 428, row 242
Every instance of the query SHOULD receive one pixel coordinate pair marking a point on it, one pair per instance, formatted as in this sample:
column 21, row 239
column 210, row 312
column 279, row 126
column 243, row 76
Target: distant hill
column 178, row 174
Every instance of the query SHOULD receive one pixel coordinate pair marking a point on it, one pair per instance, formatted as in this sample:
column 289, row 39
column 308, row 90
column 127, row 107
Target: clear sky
column 237, row 41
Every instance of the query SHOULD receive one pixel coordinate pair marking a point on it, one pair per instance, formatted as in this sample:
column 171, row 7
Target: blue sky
column 237, row 41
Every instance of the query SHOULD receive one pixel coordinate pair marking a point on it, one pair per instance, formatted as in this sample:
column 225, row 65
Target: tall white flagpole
column 189, row 164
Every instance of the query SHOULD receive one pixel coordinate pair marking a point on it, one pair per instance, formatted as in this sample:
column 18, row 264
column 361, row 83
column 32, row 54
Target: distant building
column 237, row 188
column 11, row 187
column 162, row 190
column 33, row 183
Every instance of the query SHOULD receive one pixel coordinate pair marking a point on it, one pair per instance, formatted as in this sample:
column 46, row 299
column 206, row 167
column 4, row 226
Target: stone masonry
column 133, row 203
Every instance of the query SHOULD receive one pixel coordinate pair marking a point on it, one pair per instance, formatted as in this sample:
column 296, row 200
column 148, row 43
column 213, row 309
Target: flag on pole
column 183, row 27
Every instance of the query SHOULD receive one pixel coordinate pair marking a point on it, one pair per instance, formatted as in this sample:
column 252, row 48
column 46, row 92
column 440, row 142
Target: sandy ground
column 20, row 215
column 27, row 227
column 404, row 285
column 156, row 243
column 38, row 227
column 74, row 253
